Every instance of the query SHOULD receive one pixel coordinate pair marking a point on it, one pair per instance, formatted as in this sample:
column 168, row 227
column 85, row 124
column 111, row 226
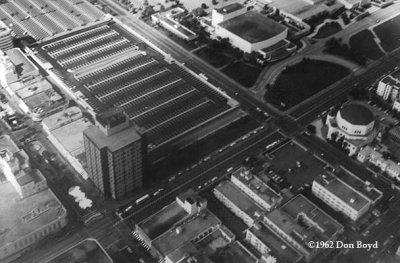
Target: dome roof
column 356, row 114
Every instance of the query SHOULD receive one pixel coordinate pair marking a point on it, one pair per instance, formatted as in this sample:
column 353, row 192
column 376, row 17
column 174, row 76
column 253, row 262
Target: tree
column 214, row 2
column 146, row 2
column 204, row 6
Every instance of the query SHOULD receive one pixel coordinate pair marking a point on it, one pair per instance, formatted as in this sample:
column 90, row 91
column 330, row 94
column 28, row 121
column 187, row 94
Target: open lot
column 286, row 157
column 242, row 73
column 389, row 32
column 301, row 81
column 365, row 43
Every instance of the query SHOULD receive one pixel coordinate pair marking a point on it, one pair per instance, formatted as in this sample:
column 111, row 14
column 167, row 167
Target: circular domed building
column 355, row 122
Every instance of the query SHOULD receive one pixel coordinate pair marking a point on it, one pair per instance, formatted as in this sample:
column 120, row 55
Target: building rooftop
column 188, row 253
column 185, row 232
column 356, row 114
column 302, row 9
column 237, row 253
column 237, row 197
column 342, row 190
column 163, row 220
column 6, row 143
column 229, row 8
column 114, row 141
column 28, row 176
column 391, row 80
column 279, row 248
column 20, row 217
column 253, row 27
column 304, row 221
column 88, row 248
column 71, row 135
column 257, row 186
column 366, row 189
column 27, row 89
column 62, row 118
column 23, row 66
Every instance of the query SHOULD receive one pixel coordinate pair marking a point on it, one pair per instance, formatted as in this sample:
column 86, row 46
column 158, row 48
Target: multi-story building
column 256, row 189
column 299, row 221
column 238, row 202
column 269, row 244
column 29, row 209
column 114, row 155
column 388, row 87
column 352, row 198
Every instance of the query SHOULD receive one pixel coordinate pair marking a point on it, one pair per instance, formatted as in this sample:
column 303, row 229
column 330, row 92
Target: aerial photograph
column 199, row 131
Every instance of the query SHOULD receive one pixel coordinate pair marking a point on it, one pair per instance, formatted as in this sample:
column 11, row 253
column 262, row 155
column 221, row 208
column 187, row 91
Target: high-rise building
column 114, row 153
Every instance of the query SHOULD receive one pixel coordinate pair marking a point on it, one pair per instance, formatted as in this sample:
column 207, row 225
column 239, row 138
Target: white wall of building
column 245, row 45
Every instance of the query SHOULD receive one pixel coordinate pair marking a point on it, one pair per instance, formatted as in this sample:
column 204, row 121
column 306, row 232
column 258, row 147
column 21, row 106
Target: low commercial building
column 299, row 221
column 37, row 98
column 29, row 209
column 65, row 130
column 270, row 245
column 256, row 189
column 174, row 233
column 22, row 80
column 168, row 20
column 249, row 31
column 15, row 66
column 352, row 198
column 238, row 202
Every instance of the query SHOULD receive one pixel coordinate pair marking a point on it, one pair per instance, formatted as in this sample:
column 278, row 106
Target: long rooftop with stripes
column 106, row 66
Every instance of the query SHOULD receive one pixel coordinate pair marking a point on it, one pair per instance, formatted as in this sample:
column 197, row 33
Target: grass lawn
column 303, row 80
column 389, row 32
column 213, row 57
column 364, row 42
column 242, row 73
column 328, row 29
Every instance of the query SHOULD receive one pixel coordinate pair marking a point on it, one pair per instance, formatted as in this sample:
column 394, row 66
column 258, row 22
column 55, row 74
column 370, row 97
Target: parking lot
column 114, row 69
column 298, row 166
